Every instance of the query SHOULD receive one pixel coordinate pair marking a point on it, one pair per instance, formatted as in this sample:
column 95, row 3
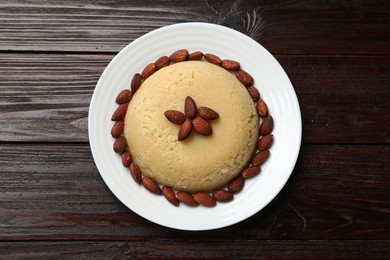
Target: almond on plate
column 169, row 194
column 180, row 55
column 186, row 198
column 204, row 199
column 214, row 59
column 267, row 125
column 222, row 195
column 151, row 185
column 251, row 171
column 244, row 77
column 230, row 65
column 120, row 112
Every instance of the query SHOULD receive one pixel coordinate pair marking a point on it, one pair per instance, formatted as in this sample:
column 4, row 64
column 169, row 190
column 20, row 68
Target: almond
column 120, row 144
column 126, row 158
column 201, row 126
column 170, row 195
column 117, row 129
column 151, row 185
column 162, row 62
column 136, row 82
column 148, row 71
column 175, row 116
column 135, row 172
column 204, row 199
column 262, row 108
column 190, row 108
column 180, row 55
column 251, row 171
column 212, row 58
column 254, row 93
column 222, row 195
column 207, row 113
column 120, row 112
column 124, row 96
column 244, row 77
column 260, row 157
column 265, row 142
column 196, row 56
column 230, row 65
column 185, row 130
column 236, row 184
column 267, row 125
column 186, row 198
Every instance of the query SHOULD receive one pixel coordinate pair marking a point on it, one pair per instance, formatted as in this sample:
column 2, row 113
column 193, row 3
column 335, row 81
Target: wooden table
column 53, row 202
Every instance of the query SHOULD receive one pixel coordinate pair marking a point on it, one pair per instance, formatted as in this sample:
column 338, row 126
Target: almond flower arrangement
column 193, row 118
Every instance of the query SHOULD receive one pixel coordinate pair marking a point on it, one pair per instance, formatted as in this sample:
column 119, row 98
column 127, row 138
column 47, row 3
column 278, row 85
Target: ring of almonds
column 199, row 198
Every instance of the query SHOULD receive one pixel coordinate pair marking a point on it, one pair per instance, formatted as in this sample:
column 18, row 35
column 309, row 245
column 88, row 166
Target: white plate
column 275, row 88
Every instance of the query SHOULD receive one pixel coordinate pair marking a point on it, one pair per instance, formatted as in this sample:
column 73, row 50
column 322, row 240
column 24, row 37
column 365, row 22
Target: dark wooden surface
column 53, row 202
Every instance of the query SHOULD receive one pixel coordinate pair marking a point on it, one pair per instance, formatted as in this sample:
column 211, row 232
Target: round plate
column 274, row 86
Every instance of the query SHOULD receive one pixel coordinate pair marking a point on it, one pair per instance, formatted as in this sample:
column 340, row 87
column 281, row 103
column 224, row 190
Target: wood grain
column 54, row 191
column 293, row 27
column 356, row 249
column 46, row 97
column 342, row 99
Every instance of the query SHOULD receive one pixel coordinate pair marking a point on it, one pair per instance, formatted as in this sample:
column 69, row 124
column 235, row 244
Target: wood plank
column 342, row 99
column 54, row 191
column 356, row 249
column 314, row 27
column 46, row 97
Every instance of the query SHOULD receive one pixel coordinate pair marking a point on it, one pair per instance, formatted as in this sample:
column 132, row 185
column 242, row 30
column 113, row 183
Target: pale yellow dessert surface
column 198, row 163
